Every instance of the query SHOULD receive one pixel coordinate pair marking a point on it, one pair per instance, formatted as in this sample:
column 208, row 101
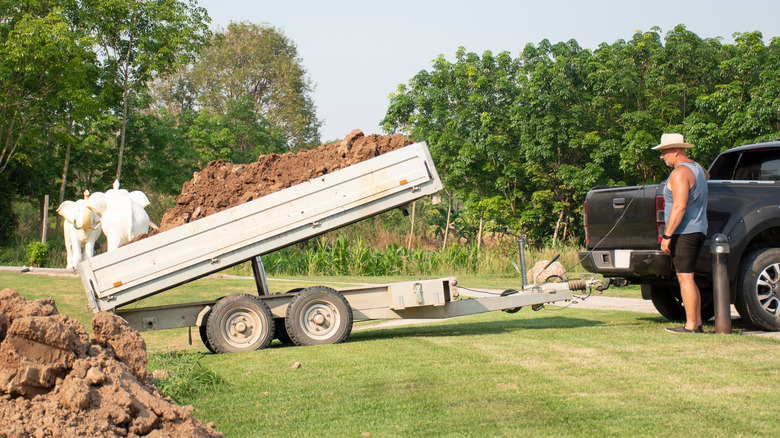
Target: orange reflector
column 117, row 284
column 402, row 182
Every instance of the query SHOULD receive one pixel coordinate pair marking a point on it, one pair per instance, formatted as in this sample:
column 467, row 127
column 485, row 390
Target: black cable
column 590, row 251
column 480, row 291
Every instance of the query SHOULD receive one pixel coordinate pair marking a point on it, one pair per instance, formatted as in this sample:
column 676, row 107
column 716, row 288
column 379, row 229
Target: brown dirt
column 55, row 382
column 222, row 185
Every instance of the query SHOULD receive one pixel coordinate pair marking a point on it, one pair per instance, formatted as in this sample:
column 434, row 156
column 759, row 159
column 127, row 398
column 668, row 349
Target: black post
column 719, row 248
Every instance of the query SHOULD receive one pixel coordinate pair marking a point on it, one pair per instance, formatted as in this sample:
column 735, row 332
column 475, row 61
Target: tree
column 47, row 74
column 38, row 55
column 257, row 65
column 462, row 110
column 521, row 141
column 138, row 39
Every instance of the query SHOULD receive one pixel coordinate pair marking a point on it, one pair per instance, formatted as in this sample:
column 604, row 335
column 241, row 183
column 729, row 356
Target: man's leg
column 691, row 300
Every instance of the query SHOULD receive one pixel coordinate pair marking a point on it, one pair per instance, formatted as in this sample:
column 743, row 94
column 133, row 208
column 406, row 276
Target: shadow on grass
column 654, row 319
column 456, row 328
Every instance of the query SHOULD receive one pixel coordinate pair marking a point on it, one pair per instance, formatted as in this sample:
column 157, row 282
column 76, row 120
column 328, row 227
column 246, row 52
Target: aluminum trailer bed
column 315, row 315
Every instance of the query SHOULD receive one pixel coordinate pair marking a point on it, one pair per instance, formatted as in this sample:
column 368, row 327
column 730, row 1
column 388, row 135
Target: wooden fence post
column 45, row 218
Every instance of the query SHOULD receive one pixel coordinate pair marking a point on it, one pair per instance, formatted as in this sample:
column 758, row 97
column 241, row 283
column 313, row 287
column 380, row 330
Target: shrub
column 37, row 254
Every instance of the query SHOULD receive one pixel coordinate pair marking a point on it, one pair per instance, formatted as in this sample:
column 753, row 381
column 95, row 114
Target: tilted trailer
column 314, row 315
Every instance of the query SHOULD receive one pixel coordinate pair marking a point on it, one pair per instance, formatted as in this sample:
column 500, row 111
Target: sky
column 357, row 52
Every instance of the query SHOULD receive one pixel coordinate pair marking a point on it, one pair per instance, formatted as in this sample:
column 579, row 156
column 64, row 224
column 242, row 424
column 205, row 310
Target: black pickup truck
column 624, row 225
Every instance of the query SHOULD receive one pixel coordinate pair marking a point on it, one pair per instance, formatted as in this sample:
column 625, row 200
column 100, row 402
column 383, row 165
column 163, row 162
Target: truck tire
column 668, row 302
column 758, row 289
column 318, row 315
column 239, row 323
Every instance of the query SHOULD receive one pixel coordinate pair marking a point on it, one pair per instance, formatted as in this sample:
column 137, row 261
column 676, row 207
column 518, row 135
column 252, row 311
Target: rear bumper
column 627, row 263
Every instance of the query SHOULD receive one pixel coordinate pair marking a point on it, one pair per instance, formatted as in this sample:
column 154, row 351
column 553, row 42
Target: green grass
column 556, row 372
column 565, row 373
column 184, row 378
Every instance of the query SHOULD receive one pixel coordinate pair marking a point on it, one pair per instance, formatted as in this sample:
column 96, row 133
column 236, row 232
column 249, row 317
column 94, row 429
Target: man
column 685, row 214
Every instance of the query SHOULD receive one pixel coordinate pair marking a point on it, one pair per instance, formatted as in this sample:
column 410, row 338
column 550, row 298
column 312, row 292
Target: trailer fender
column 201, row 321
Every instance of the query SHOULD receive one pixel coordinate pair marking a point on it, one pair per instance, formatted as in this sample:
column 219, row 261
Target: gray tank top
column 695, row 218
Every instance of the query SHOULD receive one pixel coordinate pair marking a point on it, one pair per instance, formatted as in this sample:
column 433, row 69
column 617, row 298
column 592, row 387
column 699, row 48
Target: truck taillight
column 660, row 224
column 585, row 221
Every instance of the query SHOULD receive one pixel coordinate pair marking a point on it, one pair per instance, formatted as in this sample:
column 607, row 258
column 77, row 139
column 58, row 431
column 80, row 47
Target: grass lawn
column 554, row 372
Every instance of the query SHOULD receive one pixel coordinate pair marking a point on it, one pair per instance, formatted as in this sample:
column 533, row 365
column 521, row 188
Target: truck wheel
column 318, row 315
column 668, row 302
column 238, row 323
column 758, row 289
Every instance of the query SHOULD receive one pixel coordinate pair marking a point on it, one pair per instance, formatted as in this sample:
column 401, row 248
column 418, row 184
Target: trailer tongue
column 316, row 315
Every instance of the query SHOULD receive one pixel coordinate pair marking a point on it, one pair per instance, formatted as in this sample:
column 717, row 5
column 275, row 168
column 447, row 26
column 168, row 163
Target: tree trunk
column 411, row 230
column 65, row 169
column 557, row 227
column 479, row 233
column 449, row 215
column 125, row 104
column 8, row 149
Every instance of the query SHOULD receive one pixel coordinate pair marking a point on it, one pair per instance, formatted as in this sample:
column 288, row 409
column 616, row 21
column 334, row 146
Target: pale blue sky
column 357, row 52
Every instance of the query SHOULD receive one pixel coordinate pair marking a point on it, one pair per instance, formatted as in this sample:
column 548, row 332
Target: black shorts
column 684, row 249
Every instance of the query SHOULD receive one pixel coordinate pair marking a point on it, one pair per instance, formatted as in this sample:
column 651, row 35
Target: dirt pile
column 222, row 185
column 55, row 382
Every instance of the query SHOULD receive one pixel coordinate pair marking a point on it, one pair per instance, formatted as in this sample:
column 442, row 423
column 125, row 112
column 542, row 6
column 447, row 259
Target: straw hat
column 669, row 141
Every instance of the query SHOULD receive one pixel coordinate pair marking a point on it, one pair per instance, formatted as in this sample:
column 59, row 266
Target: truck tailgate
column 621, row 217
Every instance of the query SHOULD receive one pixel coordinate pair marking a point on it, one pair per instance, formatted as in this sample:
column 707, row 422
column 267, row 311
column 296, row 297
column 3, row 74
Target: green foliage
column 87, row 87
column 521, row 140
column 37, row 254
column 182, row 377
column 252, row 73
column 356, row 258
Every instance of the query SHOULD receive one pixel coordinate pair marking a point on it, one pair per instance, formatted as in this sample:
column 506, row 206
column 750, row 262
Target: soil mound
column 55, row 382
column 222, row 185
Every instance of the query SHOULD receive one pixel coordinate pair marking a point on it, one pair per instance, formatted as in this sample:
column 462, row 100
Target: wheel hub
column 240, row 328
column 320, row 320
column 768, row 289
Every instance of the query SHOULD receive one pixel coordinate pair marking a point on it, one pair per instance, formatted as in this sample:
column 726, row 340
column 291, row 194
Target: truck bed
column 194, row 250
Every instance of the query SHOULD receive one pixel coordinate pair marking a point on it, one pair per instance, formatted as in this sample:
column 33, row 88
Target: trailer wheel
column 203, row 332
column 238, row 323
column 668, row 302
column 758, row 289
column 318, row 315
column 280, row 332
column 510, row 292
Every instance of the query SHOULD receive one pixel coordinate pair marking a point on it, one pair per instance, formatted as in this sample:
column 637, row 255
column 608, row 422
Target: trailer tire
column 668, row 302
column 758, row 289
column 239, row 323
column 280, row 332
column 318, row 315
column 203, row 332
column 510, row 292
